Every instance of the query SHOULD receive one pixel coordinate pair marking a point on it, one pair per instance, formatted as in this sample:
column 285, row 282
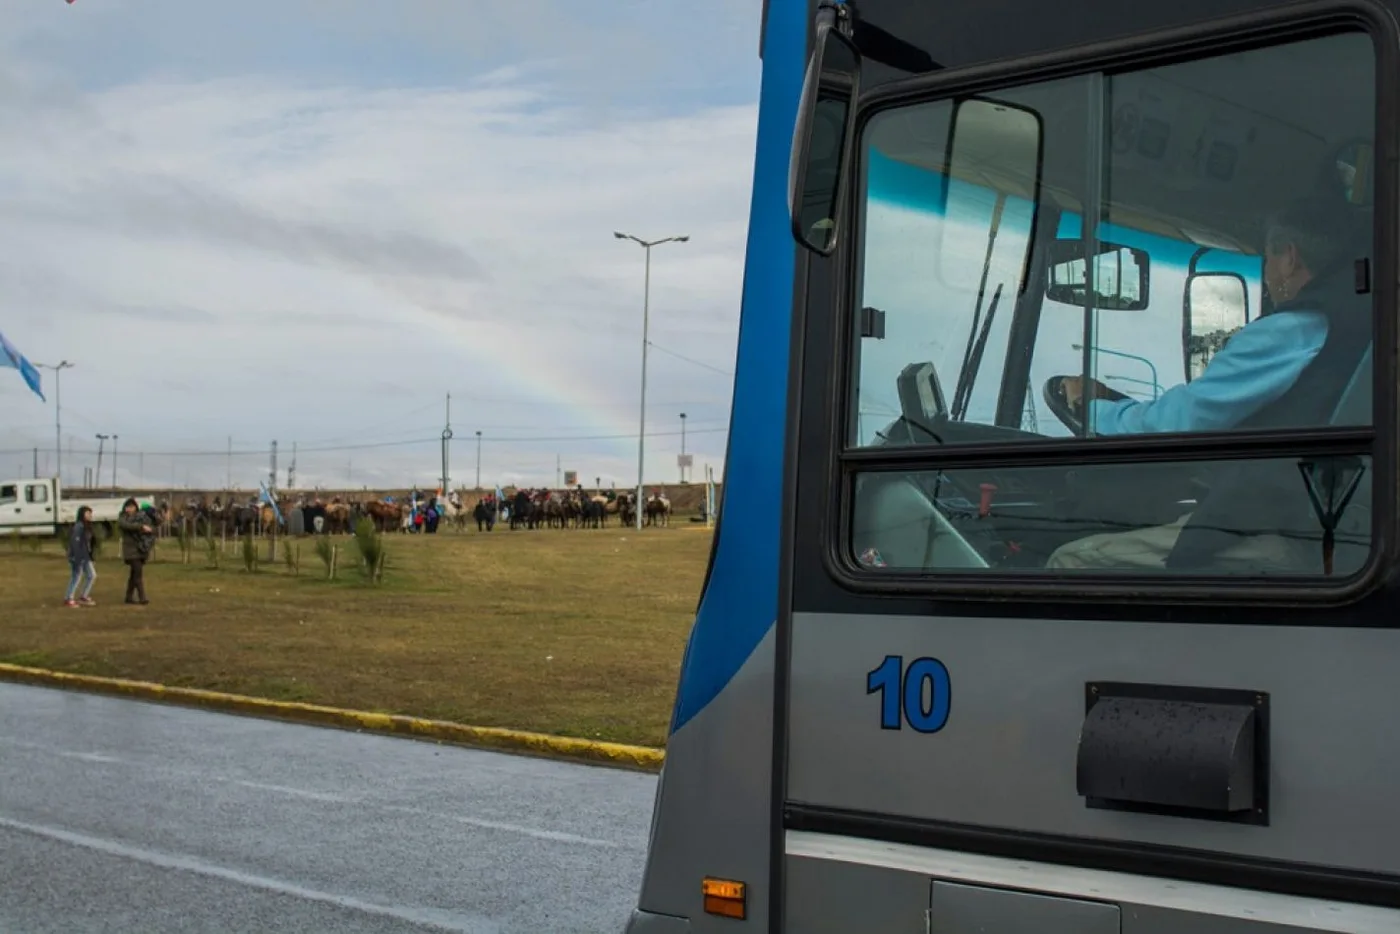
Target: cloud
column 266, row 246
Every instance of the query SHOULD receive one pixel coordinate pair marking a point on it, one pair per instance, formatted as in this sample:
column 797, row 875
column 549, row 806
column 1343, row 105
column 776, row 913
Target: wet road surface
column 121, row 816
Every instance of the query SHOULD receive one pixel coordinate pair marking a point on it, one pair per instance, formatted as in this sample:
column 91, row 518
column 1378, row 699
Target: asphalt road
column 120, row 816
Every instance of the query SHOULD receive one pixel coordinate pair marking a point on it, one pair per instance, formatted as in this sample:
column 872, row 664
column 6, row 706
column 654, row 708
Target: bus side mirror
column 1121, row 276
column 821, row 141
column 1216, row 306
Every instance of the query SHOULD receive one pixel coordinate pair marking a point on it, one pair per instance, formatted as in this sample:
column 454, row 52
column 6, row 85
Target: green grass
column 576, row 632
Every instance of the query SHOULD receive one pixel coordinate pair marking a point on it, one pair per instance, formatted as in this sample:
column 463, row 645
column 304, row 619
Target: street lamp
column 646, row 321
column 57, row 368
column 682, row 447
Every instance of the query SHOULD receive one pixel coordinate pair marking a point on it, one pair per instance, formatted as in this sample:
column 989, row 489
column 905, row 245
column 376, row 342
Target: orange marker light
column 723, row 897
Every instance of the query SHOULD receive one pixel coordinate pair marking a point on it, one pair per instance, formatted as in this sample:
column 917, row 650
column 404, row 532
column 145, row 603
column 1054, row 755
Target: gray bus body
column 972, row 658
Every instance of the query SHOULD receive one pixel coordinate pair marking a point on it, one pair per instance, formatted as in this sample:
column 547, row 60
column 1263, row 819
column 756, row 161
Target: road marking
column 430, row 918
column 329, row 797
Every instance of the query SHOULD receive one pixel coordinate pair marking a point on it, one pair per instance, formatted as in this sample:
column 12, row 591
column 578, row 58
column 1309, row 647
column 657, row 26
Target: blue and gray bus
column 1052, row 586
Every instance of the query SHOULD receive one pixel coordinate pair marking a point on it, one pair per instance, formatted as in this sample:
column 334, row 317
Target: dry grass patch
column 571, row 632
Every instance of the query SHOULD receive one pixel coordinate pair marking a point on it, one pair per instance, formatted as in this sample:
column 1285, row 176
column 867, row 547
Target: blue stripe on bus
column 741, row 601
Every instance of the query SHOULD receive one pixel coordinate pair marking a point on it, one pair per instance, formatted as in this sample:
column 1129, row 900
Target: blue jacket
column 1256, row 368
column 79, row 545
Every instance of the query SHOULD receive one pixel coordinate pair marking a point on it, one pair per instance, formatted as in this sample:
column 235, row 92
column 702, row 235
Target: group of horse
column 525, row 509
column 571, row 509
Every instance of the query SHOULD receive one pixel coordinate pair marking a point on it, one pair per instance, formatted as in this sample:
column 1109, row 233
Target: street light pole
column 646, row 342
column 58, row 369
column 97, row 474
column 682, row 447
column 446, row 439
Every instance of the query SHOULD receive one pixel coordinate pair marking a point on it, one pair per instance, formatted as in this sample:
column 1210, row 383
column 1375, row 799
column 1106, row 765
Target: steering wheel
column 1073, row 416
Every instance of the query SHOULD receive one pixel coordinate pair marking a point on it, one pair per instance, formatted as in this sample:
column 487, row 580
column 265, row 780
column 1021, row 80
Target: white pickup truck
column 38, row 507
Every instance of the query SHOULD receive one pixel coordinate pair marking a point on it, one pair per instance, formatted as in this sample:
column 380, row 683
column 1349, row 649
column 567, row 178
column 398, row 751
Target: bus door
column 1092, row 624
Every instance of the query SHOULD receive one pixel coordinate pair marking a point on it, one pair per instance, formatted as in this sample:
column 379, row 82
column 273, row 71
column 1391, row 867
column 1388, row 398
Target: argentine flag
column 266, row 497
column 12, row 358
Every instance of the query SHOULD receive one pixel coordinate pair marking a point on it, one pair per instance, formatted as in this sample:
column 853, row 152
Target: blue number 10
column 902, row 693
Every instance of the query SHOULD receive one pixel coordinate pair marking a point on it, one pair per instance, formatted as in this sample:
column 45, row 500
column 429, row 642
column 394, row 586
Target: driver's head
column 1301, row 242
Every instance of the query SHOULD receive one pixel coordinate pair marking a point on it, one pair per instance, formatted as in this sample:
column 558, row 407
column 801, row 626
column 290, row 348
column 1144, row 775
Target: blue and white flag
column 12, row 358
column 266, row 497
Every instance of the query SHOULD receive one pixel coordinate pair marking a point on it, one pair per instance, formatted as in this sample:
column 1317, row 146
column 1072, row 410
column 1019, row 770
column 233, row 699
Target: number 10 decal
column 902, row 693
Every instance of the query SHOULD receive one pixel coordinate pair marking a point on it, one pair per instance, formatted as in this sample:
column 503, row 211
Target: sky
column 310, row 220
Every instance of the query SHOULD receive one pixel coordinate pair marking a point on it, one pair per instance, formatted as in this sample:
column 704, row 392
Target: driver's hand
column 1074, row 390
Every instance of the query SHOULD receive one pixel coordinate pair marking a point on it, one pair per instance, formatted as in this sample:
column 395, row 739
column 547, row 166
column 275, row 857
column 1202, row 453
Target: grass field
column 571, row 632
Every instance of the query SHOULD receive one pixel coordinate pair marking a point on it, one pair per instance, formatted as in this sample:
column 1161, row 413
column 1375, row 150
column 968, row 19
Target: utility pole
column 646, row 342
column 97, row 474
column 114, row 463
column 558, row 467
column 478, row 460
column 36, row 465
column 446, row 444
column 292, row 470
column 272, row 475
column 58, row 369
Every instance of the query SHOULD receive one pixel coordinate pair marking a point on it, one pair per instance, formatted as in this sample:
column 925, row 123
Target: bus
column 1052, row 589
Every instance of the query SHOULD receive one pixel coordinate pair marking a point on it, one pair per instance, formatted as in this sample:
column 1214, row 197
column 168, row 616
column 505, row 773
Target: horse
column 337, row 517
column 385, row 516
column 594, row 513
column 522, row 511
column 658, row 510
column 485, row 515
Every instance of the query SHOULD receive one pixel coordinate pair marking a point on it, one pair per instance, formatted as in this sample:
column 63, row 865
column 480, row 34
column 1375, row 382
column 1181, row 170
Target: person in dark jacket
column 138, row 540
column 80, row 549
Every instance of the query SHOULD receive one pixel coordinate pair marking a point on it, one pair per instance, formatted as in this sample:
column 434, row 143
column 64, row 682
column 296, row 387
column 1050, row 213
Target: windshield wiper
column 963, row 392
column 963, row 396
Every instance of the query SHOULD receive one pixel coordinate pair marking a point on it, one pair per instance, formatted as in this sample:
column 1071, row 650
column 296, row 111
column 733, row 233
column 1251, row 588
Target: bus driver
column 1285, row 369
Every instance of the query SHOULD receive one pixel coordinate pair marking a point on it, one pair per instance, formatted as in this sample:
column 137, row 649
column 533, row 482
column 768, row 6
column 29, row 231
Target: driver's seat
column 1260, row 486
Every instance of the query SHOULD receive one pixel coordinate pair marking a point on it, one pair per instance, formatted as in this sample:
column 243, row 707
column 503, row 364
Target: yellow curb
column 615, row 754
